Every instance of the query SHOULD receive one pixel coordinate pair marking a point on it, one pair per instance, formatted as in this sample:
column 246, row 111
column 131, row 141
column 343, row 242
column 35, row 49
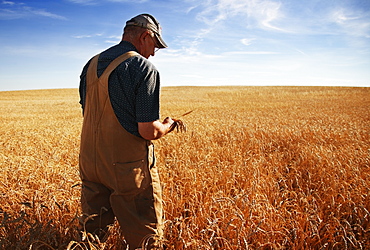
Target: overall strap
column 104, row 77
column 92, row 74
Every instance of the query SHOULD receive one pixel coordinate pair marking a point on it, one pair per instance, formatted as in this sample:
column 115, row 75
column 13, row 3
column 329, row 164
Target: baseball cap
column 149, row 22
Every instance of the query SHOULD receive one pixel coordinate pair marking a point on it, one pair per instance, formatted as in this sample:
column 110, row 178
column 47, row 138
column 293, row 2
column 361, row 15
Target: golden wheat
column 259, row 167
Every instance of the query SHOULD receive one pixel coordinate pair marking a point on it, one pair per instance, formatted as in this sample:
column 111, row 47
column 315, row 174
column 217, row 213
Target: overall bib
column 118, row 172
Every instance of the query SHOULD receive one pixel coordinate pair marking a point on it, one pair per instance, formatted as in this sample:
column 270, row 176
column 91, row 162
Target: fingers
column 177, row 124
column 173, row 126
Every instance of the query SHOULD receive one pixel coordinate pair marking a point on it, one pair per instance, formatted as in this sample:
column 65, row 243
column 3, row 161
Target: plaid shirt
column 133, row 87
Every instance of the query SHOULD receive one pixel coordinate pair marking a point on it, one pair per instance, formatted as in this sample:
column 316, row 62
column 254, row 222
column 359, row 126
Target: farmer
column 119, row 94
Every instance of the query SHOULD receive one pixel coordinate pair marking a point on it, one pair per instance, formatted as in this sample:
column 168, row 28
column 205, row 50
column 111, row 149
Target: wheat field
column 258, row 168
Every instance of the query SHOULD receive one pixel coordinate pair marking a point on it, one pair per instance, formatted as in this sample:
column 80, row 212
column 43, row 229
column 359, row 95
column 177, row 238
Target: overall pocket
column 131, row 177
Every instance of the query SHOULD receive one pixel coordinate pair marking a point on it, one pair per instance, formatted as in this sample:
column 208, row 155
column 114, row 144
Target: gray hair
column 133, row 32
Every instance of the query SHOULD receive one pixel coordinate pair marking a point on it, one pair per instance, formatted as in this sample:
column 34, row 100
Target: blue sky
column 44, row 44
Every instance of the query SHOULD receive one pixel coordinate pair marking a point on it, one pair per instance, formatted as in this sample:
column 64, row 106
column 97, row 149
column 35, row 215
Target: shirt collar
column 128, row 46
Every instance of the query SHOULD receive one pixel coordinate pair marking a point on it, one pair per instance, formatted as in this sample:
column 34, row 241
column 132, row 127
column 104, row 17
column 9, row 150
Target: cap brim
column 161, row 44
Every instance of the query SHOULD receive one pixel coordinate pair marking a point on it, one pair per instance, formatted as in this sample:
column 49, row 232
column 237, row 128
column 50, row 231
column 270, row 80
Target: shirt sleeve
column 147, row 99
column 82, row 87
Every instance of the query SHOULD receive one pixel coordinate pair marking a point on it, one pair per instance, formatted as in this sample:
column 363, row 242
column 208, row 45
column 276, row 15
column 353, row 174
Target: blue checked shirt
column 133, row 87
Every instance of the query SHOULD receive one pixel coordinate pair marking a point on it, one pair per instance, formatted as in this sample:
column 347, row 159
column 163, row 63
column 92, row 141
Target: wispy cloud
column 11, row 10
column 239, row 15
column 113, row 39
column 87, row 36
column 83, row 2
column 351, row 22
column 108, row 39
column 261, row 13
column 279, row 16
column 40, row 12
column 247, row 41
column 95, row 2
column 8, row 2
column 230, row 53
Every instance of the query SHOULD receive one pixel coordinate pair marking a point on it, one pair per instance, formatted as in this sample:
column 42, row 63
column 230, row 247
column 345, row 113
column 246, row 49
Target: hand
column 178, row 124
column 168, row 120
column 171, row 124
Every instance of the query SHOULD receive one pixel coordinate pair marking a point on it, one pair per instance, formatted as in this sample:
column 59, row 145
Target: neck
column 134, row 42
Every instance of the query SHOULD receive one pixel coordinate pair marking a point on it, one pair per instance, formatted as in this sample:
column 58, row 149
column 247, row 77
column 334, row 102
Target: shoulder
column 140, row 67
column 85, row 68
column 142, row 63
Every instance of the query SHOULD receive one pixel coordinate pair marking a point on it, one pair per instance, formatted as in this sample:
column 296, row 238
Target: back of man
column 119, row 92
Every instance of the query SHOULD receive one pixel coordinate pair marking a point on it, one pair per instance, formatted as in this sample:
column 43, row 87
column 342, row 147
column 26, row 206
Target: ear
column 143, row 35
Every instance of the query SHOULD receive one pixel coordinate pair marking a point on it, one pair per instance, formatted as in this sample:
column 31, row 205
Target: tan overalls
column 117, row 169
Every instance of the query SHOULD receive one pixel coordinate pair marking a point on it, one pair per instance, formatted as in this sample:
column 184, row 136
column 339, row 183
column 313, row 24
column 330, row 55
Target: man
column 119, row 94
